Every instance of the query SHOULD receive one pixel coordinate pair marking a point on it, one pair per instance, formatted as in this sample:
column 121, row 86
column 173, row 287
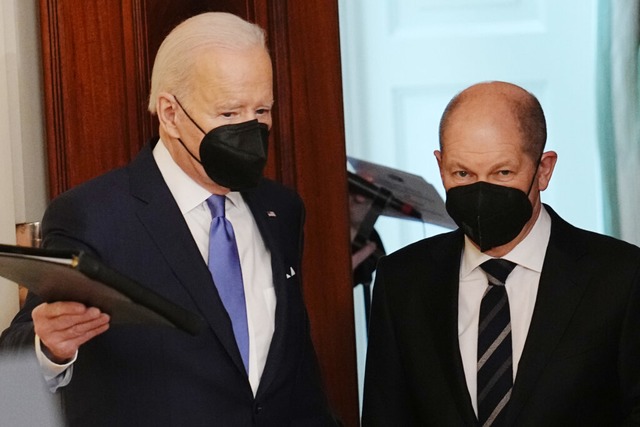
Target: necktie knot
column 498, row 270
column 216, row 205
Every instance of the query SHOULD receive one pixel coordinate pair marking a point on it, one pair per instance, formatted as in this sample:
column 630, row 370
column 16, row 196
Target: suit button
column 257, row 408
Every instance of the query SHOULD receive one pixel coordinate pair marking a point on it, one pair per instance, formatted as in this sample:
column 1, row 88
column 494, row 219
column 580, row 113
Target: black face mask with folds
column 490, row 215
column 233, row 156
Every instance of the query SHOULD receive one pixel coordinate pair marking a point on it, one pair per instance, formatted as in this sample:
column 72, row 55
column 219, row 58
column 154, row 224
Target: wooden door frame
column 305, row 44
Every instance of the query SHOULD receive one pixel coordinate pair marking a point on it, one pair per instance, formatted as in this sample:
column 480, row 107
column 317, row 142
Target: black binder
column 59, row 275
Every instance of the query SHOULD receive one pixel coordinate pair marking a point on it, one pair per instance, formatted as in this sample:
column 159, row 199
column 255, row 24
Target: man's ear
column 545, row 169
column 438, row 155
column 166, row 108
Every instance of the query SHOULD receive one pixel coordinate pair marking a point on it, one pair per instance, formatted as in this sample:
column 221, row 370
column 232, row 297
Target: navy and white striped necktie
column 495, row 355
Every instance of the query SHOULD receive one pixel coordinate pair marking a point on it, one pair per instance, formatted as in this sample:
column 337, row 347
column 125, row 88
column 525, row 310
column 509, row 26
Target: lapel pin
column 271, row 214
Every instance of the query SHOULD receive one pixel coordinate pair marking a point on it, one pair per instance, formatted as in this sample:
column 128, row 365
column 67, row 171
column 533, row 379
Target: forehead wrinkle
column 231, row 71
column 482, row 155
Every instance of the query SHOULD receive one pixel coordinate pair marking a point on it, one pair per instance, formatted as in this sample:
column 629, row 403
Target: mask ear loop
column 192, row 121
column 534, row 174
column 185, row 112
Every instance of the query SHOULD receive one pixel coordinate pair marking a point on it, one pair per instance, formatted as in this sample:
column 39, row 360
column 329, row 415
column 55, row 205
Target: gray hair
column 178, row 53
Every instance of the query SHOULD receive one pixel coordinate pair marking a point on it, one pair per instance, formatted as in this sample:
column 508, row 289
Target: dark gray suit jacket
column 143, row 376
column 581, row 361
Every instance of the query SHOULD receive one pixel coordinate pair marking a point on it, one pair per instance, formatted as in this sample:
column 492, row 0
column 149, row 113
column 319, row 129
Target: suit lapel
column 559, row 292
column 161, row 217
column 445, row 294
column 267, row 225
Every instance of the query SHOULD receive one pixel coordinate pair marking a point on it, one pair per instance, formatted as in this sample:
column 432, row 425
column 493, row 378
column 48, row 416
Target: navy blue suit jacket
column 581, row 361
column 143, row 376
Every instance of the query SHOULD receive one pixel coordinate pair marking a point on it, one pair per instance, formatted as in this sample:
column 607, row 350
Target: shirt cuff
column 54, row 374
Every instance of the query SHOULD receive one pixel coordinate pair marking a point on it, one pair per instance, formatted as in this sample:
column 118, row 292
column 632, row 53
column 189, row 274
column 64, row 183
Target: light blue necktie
column 224, row 264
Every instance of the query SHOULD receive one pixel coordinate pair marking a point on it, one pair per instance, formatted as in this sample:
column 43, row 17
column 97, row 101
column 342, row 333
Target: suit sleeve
column 386, row 401
column 19, row 336
column 629, row 359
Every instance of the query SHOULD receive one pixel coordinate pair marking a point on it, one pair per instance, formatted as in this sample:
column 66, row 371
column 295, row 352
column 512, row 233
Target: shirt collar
column 236, row 200
column 187, row 193
column 529, row 253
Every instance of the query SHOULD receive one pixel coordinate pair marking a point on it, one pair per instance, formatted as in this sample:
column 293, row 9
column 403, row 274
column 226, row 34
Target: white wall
column 23, row 193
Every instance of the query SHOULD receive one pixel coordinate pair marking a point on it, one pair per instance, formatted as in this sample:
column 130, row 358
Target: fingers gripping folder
column 56, row 275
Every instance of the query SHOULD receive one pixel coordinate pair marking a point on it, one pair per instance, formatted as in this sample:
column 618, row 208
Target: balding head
column 500, row 101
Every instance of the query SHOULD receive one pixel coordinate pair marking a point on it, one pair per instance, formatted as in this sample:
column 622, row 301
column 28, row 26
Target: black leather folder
column 58, row 275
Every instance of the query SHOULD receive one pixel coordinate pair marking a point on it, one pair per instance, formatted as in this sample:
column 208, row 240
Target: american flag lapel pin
column 271, row 214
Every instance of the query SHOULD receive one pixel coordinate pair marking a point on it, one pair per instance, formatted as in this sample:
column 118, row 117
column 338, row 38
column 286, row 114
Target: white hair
column 179, row 51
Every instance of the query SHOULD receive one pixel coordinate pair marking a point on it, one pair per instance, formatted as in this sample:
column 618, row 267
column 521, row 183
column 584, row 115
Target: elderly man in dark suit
column 517, row 318
column 253, row 363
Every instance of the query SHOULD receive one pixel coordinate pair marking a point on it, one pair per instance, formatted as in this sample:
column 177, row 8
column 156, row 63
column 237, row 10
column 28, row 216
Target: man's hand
column 64, row 326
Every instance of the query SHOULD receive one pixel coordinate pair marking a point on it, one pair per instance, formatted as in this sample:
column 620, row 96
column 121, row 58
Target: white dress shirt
column 522, row 289
column 255, row 258
column 255, row 261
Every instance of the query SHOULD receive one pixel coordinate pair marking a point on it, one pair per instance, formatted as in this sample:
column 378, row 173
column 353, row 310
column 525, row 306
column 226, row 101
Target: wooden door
column 97, row 58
